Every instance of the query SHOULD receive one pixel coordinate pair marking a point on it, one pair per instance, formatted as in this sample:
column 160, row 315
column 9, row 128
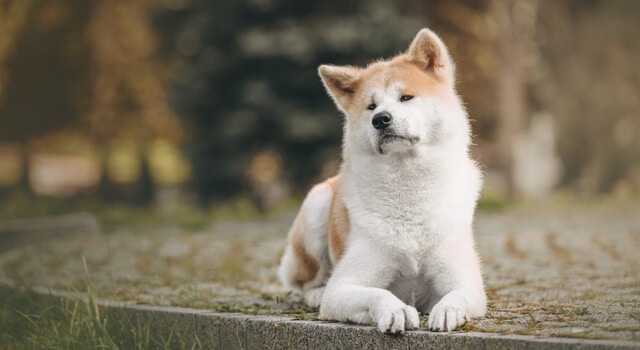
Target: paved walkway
column 565, row 272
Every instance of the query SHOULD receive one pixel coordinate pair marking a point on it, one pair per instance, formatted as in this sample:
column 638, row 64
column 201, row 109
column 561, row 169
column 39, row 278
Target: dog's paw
column 446, row 316
column 313, row 297
column 397, row 317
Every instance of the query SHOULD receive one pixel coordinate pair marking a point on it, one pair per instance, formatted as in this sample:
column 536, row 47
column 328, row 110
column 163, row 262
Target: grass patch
column 34, row 321
column 493, row 202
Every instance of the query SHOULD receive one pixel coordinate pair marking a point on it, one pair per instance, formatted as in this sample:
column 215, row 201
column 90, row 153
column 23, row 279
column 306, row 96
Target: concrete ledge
column 190, row 328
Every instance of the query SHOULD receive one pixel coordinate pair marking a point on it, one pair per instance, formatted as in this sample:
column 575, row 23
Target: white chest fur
column 413, row 202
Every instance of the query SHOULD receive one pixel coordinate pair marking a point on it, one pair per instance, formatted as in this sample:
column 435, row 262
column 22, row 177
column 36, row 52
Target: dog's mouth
column 389, row 138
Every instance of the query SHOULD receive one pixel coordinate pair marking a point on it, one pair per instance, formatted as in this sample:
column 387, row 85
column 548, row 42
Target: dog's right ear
column 340, row 82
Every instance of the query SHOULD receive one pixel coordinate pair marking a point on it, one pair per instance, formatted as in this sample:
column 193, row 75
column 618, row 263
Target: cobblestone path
column 562, row 272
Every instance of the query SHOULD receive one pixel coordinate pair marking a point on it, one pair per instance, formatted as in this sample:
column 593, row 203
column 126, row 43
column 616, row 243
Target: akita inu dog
column 391, row 235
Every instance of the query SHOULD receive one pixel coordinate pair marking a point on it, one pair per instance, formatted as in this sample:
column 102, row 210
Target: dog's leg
column 355, row 292
column 461, row 278
column 305, row 264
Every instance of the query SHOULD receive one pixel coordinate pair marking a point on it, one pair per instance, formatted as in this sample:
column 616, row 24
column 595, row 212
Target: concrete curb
column 194, row 328
column 200, row 328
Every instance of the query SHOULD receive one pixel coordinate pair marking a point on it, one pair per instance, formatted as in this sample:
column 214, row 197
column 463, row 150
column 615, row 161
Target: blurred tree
column 77, row 58
column 494, row 44
column 573, row 60
column 246, row 80
column 515, row 22
column 591, row 83
column 128, row 98
column 84, row 65
column 47, row 63
column 43, row 63
column 13, row 15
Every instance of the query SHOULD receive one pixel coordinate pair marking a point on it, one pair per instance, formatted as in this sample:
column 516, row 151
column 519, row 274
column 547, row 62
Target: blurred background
column 158, row 102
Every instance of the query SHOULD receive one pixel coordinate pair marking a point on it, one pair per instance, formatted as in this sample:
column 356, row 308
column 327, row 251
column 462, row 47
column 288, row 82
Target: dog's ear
column 340, row 82
column 429, row 52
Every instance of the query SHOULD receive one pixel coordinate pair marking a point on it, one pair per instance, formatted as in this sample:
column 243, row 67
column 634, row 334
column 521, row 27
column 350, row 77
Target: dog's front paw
column 313, row 297
column 395, row 318
column 447, row 316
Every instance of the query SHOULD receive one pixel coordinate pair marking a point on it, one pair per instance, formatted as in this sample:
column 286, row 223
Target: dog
column 391, row 235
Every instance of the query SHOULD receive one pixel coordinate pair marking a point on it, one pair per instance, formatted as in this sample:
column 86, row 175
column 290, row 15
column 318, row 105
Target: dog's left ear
column 429, row 52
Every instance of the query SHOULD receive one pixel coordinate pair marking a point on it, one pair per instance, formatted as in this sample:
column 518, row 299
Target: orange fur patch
column 308, row 266
column 400, row 69
column 339, row 225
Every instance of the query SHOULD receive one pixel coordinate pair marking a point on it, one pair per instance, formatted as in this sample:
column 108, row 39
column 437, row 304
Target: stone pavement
column 561, row 272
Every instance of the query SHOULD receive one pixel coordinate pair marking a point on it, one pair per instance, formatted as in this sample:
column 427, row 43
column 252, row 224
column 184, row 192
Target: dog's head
column 398, row 105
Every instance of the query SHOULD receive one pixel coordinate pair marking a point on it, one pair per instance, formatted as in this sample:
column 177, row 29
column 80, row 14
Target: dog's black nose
column 381, row 120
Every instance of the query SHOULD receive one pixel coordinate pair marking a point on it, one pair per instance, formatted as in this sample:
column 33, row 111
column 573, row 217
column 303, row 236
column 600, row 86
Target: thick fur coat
column 391, row 235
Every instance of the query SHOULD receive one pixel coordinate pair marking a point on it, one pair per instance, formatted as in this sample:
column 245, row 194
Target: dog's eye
column 372, row 106
column 405, row 98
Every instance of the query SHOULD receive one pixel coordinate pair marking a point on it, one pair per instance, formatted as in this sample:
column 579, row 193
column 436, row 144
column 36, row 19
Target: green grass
column 34, row 321
column 31, row 321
